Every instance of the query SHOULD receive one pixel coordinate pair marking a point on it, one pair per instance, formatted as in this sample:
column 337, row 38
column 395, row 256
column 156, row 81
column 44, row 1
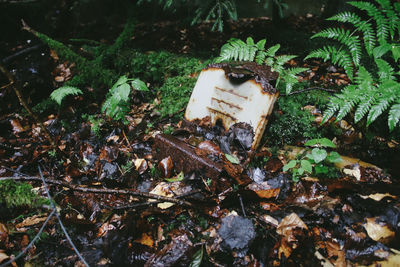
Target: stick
column 311, row 89
column 24, row 104
column 59, row 219
column 100, row 190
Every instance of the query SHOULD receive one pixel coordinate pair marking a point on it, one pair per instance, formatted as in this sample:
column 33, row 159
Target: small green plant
column 96, row 123
column 59, row 94
column 236, row 49
column 15, row 195
column 319, row 162
column 117, row 102
column 371, row 95
column 52, row 153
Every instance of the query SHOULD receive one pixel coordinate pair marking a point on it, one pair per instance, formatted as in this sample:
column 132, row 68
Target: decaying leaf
column 288, row 224
column 146, row 240
column 3, row 256
column 36, row 219
column 379, row 232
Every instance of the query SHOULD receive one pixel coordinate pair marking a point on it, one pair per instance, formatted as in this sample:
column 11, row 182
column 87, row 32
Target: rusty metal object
column 233, row 93
column 184, row 156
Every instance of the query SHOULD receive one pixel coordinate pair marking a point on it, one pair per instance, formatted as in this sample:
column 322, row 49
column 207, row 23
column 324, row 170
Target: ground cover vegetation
column 302, row 198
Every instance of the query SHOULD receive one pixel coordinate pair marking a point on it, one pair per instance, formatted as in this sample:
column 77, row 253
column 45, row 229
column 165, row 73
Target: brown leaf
column 146, row 240
column 3, row 256
column 288, row 224
column 263, row 190
column 379, row 232
column 31, row 221
column 3, row 236
column 141, row 165
column 16, row 125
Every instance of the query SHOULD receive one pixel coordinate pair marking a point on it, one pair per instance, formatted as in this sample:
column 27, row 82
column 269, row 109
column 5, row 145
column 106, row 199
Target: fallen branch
column 312, row 89
column 59, row 219
column 17, row 91
column 101, row 190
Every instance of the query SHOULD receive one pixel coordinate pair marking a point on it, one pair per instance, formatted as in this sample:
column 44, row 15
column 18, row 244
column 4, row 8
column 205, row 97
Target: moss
column 290, row 123
column 14, row 194
column 175, row 94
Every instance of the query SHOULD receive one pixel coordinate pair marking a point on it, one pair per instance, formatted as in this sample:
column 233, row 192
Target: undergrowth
column 290, row 121
column 19, row 195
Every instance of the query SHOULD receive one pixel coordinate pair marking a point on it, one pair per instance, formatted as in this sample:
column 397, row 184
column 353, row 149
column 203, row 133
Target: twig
column 101, row 191
column 24, row 104
column 32, row 242
column 59, row 219
column 311, row 89
column 241, row 205
column 21, row 52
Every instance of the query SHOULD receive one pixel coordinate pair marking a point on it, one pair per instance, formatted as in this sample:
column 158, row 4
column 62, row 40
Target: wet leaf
column 379, row 232
column 290, row 165
column 323, row 142
column 166, row 166
column 146, row 240
column 306, row 165
column 334, row 157
column 177, row 178
column 232, row 158
column 318, row 154
column 3, row 256
column 197, row 258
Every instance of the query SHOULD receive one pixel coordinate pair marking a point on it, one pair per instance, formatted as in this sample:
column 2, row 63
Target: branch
column 59, row 219
column 24, row 104
column 311, row 89
column 101, row 191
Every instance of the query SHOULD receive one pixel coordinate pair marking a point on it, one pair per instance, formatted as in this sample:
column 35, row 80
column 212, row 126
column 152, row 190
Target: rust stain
column 184, row 156
column 230, row 91
column 222, row 113
column 227, row 103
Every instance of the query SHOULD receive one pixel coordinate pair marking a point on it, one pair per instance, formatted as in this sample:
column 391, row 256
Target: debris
column 234, row 93
column 237, row 233
column 184, row 157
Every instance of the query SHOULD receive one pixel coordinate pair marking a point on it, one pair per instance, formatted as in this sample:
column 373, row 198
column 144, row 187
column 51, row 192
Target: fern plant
column 59, row 94
column 370, row 95
column 116, row 104
column 236, row 49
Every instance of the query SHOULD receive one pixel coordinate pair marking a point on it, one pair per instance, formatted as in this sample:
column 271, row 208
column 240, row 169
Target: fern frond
column 385, row 70
column 394, row 116
column 363, row 108
column 363, row 26
column 382, row 31
column 346, row 38
column 236, row 49
column 393, row 18
column 339, row 57
column 59, row 94
column 289, row 76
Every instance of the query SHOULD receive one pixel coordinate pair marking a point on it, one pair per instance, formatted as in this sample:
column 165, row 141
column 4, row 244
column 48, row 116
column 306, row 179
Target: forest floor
column 118, row 189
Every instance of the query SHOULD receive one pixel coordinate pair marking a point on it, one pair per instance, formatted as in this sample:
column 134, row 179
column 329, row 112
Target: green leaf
column 379, row 51
column 261, row 44
column 334, row 157
column 59, row 94
column 139, row 85
column 306, row 165
column 300, row 171
column 197, row 258
column 121, row 80
column 232, row 158
column 290, row 165
column 324, row 142
column 321, row 169
column 396, row 52
column 177, row 178
column 319, row 154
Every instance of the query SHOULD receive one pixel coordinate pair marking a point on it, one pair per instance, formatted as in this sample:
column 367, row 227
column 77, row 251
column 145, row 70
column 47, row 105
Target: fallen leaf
column 288, row 224
column 166, row 166
column 379, row 232
column 146, row 240
column 31, row 221
column 3, row 256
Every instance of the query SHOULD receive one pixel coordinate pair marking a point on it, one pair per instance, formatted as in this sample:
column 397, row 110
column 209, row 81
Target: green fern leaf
column 346, row 38
column 363, row 26
column 363, row 108
column 385, row 70
column 393, row 18
column 394, row 116
column 382, row 24
column 59, row 94
column 376, row 110
column 272, row 50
